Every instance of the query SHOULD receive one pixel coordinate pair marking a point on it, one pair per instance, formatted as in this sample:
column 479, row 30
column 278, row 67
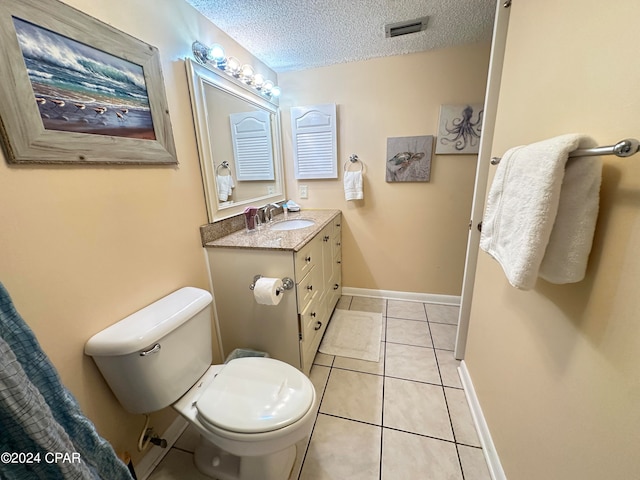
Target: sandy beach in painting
column 65, row 111
column 80, row 89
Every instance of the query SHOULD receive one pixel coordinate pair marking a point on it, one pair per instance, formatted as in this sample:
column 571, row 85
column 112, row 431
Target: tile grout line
column 384, row 381
column 444, row 393
column 306, row 450
column 408, row 432
column 384, row 364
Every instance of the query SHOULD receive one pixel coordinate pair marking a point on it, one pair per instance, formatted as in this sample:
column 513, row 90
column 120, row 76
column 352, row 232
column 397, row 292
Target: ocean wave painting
column 78, row 88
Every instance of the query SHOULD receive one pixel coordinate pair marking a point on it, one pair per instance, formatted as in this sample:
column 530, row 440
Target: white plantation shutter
column 252, row 147
column 314, row 141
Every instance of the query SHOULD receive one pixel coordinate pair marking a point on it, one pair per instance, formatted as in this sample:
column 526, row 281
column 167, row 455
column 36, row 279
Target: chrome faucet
column 265, row 213
column 268, row 211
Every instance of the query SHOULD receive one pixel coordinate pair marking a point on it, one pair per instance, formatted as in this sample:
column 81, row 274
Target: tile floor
column 405, row 416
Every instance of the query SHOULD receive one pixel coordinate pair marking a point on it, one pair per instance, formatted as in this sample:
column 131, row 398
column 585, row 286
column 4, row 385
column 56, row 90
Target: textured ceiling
column 300, row 34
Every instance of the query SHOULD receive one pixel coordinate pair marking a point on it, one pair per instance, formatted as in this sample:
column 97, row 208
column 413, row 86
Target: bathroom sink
column 293, row 224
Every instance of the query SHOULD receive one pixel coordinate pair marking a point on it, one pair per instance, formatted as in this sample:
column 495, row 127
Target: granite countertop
column 267, row 239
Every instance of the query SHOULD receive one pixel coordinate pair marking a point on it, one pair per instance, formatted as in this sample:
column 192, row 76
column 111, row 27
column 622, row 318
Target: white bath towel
column 224, row 184
column 353, row 185
column 541, row 211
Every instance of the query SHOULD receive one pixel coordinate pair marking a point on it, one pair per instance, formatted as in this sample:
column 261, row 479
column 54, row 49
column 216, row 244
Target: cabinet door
column 252, row 145
column 313, row 129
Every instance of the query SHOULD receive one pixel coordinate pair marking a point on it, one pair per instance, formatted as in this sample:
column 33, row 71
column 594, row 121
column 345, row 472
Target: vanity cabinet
column 292, row 330
column 318, row 287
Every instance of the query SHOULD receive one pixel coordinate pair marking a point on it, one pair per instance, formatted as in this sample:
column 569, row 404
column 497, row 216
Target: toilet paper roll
column 268, row 291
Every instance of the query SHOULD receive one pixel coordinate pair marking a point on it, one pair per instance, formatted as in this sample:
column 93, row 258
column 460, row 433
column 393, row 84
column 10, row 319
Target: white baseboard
column 154, row 456
column 406, row 296
column 488, row 448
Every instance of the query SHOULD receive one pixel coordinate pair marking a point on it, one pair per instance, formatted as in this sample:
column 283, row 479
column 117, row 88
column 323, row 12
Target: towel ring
column 224, row 164
column 352, row 160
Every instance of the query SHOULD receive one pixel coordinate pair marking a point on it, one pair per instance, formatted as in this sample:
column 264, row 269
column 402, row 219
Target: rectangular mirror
column 238, row 135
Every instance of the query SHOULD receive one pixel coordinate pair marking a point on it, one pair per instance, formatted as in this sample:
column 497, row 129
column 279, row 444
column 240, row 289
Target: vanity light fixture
column 215, row 56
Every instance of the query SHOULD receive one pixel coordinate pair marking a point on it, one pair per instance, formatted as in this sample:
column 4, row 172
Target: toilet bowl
column 264, row 418
column 249, row 412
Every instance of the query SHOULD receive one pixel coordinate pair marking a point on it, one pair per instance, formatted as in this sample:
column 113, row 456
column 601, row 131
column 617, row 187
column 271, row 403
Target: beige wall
column 555, row 368
column 408, row 237
column 81, row 248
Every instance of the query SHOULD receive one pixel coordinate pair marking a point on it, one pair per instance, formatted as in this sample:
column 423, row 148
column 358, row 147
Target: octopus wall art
column 460, row 129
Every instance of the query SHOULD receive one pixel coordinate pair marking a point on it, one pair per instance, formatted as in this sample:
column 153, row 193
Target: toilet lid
column 255, row 394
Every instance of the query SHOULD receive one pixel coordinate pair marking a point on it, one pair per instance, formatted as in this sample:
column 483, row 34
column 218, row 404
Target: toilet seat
column 255, row 395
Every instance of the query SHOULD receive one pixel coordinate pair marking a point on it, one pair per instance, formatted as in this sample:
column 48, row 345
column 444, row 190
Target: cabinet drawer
column 307, row 288
column 312, row 320
column 337, row 225
column 336, row 243
column 307, row 257
column 310, row 348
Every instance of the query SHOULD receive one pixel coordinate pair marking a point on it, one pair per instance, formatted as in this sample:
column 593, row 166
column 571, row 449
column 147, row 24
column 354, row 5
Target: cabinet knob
column 307, row 259
column 337, row 224
column 338, row 244
column 309, row 287
column 325, row 238
column 318, row 326
column 336, row 286
column 313, row 314
column 339, row 262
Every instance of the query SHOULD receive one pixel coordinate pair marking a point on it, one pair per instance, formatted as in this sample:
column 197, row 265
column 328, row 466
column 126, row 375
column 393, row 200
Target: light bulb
column 217, row 54
column 275, row 91
column 233, row 66
column 247, row 73
column 201, row 52
column 267, row 86
column 258, row 81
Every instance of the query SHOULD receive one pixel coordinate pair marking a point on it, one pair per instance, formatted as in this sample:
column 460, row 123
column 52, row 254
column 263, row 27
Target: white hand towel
column 353, row 185
column 224, row 184
column 540, row 216
column 567, row 254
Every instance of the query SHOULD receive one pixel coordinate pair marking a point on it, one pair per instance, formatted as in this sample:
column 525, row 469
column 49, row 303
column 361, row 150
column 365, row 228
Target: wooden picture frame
column 75, row 90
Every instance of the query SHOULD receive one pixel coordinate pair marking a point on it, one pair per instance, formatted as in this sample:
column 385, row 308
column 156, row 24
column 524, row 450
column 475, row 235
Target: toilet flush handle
column 156, row 348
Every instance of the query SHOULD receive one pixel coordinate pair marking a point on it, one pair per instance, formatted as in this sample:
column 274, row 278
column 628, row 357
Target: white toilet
column 249, row 412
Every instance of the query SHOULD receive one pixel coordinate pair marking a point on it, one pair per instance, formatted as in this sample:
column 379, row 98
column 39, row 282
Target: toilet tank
column 152, row 357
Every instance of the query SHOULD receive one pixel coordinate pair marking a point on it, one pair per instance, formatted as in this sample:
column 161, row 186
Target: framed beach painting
column 76, row 90
column 459, row 129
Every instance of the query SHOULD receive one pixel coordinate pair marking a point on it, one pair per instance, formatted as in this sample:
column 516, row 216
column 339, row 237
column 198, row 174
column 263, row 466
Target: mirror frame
column 199, row 77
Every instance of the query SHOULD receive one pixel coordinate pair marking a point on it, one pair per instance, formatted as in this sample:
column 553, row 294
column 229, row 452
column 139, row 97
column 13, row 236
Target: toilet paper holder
column 287, row 283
